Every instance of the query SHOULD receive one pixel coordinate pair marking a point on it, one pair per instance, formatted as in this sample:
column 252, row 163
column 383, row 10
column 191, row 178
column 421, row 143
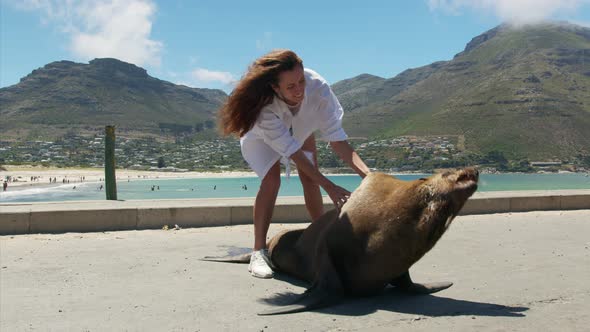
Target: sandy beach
column 27, row 176
column 23, row 177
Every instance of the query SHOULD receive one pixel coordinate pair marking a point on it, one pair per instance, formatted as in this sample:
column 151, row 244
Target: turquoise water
column 233, row 187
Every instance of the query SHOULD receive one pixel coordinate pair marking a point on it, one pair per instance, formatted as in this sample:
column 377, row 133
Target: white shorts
column 261, row 157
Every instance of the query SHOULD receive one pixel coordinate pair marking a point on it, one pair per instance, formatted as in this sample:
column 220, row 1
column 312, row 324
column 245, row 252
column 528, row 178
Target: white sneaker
column 260, row 265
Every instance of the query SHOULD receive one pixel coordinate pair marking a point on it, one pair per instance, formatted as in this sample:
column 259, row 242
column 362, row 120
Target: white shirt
column 270, row 137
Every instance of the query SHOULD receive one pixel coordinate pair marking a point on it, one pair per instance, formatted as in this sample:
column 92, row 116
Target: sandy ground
column 512, row 272
column 24, row 175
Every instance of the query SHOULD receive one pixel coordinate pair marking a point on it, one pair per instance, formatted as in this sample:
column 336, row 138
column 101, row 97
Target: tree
column 161, row 162
column 496, row 157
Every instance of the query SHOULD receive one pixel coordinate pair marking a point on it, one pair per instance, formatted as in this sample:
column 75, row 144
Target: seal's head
column 453, row 187
column 445, row 194
column 381, row 197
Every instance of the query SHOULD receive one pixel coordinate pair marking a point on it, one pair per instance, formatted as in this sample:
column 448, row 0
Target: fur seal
column 386, row 226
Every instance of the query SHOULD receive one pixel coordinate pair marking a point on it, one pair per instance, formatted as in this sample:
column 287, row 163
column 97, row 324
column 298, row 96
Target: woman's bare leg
column 311, row 190
column 264, row 205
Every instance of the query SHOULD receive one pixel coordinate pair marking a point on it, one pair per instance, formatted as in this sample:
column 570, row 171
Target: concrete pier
column 511, row 271
column 94, row 216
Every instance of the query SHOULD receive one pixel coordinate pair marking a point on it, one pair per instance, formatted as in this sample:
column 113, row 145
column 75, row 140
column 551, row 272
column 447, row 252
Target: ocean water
column 248, row 186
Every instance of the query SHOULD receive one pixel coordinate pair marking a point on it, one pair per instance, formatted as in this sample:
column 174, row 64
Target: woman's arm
column 347, row 153
column 338, row 194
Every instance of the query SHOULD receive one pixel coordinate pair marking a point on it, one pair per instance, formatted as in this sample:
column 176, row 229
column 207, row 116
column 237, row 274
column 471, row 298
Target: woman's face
column 291, row 87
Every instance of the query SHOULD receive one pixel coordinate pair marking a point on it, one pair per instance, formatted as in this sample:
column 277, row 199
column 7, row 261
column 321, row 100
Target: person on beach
column 275, row 109
column 4, row 185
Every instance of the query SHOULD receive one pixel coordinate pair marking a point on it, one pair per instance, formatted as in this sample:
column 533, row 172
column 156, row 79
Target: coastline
column 22, row 175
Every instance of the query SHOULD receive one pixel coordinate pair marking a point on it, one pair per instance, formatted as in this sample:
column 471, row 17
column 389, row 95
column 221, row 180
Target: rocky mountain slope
column 521, row 91
column 65, row 95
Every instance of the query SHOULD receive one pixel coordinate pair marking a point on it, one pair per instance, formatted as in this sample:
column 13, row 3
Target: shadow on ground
column 395, row 301
column 391, row 300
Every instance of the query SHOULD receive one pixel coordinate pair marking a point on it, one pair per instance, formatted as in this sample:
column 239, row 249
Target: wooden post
column 109, row 164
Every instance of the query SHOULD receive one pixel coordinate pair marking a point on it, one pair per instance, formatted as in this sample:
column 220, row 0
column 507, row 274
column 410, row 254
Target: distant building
column 545, row 163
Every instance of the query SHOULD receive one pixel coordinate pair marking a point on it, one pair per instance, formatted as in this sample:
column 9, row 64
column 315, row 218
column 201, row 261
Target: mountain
column 523, row 91
column 64, row 96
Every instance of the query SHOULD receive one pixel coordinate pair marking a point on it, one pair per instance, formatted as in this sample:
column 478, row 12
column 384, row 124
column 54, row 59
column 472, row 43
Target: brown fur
column 384, row 228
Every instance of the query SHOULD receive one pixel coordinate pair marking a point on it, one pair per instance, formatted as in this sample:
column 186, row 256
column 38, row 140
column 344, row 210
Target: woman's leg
column 264, row 205
column 311, row 190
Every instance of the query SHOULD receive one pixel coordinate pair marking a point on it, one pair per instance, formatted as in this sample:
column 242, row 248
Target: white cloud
column 103, row 28
column 185, row 83
column 513, row 11
column 206, row 76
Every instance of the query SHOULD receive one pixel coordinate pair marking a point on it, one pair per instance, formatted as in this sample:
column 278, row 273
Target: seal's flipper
column 242, row 259
column 327, row 290
column 428, row 288
column 405, row 283
column 313, row 298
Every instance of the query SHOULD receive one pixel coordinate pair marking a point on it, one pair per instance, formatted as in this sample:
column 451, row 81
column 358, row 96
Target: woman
column 275, row 110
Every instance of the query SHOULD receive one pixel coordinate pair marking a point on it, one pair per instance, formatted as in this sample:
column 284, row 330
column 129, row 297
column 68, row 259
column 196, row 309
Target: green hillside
column 521, row 92
column 524, row 92
column 67, row 96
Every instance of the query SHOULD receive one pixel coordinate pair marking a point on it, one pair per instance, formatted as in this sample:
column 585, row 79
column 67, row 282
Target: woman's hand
column 338, row 195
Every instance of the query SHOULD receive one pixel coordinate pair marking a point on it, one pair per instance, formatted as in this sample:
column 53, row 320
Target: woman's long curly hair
column 254, row 91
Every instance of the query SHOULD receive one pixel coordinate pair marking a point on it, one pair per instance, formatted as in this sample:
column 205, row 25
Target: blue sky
column 210, row 43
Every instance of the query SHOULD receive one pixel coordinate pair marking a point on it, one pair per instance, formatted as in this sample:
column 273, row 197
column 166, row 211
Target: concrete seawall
column 96, row 216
